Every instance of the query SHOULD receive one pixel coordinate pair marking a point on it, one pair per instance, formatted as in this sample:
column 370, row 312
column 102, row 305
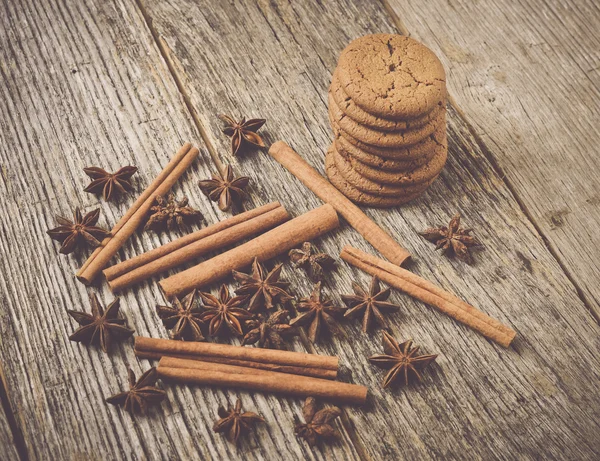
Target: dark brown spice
column 223, row 311
column 402, row 361
column 234, row 423
column 183, row 318
column 317, row 311
column 225, row 190
column 318, row 424
column 78, row 232
column 370, row 304
column 242, row 133
column 452, row 239
column 100, row 327
column 141, row 394
column 171, row 214
column 110, row 184
column 269, row 332
column 315, row 263
column 260, row 289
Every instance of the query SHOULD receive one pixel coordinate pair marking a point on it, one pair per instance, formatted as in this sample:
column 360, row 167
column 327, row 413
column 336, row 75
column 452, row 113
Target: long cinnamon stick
column 169, row 347
column 444, row 301
column 192, row 246
column 136, row 214
column 270, row 381
column 266, row 246
column 323, row 189
column 246, row 364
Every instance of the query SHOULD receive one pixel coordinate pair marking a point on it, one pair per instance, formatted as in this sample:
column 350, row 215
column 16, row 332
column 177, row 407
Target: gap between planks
column 15, row 428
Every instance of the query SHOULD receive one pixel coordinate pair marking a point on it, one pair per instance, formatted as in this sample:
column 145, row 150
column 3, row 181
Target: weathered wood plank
column 526, row 77
column 82, row 83
column 274, row 59
column 8, row 447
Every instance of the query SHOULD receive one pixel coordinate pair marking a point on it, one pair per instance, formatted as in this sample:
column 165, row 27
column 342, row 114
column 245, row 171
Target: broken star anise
column 171, row 214
column 452, row 239
column 318, row 424
column 183, row 318
column 110, row 184
column 370, row 304
column 313, row 262
column 141, row 394
column 269, row 332
column 100, row 326
column 79, row 231
column 402, row 361
column 317, row 311
column 262, row 289
column 234, row 423
column 225, row 190
column 242, row 133
column 223, row 311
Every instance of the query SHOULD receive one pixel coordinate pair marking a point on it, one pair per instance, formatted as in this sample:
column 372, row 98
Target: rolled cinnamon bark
column 170, row 347
column 192, row 246
column 270, row 381
column 323, row 189
column 136, row 214
column 445, row 302
column 264, row 247
column 246, row 364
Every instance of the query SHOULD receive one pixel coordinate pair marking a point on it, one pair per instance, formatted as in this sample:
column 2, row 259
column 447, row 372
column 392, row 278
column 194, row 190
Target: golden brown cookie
column 347, row 106
column 392, row 76
column 358, row 196
column 387, row 139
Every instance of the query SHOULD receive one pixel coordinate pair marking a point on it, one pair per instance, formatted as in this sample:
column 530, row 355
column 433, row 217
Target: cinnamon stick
column 136, row 214
column 270, row 381
column 169, row 347
column 247, row 364
column 425, row 291
column 266, row 246
column 192, row 246
column 323, row 189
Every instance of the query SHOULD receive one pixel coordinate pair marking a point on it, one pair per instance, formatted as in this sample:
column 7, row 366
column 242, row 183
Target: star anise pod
column 79, row 231
column 370, row 303
column 100, row 326
column 402, row 360
column 242, row 133
column 313, row 262
column 318, row 424
column 269, row 332
column 183, row 318
column 452, row 239
column 171, row 214
column 223, row 311
column 262, row 289
column 141, row 393
column 317, row 311
column 110, row 184
column 225, row 190
column 234, row 423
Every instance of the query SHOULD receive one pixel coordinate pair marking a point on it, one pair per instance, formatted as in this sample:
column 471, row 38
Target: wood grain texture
column 83, row 83
column 526, row 76
column 538, row 399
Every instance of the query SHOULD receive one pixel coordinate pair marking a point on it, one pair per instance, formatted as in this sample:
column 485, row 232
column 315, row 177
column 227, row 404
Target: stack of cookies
column 387, row 108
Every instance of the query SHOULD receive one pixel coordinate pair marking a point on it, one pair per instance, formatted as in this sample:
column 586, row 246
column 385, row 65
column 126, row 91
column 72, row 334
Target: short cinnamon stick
column 136, row 214
column 195, row 245
column 264, row 247
column 425, row 291
column 270, row 381
column 323, row 189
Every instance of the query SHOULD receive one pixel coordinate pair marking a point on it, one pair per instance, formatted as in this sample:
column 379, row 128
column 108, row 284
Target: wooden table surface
column 119, row 82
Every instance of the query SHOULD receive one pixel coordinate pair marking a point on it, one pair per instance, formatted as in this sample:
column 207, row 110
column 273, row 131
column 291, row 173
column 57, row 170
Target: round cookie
column 347, row 106
column 392, row 76
column 369, row 186
column 378, row 138
column 358, row 196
